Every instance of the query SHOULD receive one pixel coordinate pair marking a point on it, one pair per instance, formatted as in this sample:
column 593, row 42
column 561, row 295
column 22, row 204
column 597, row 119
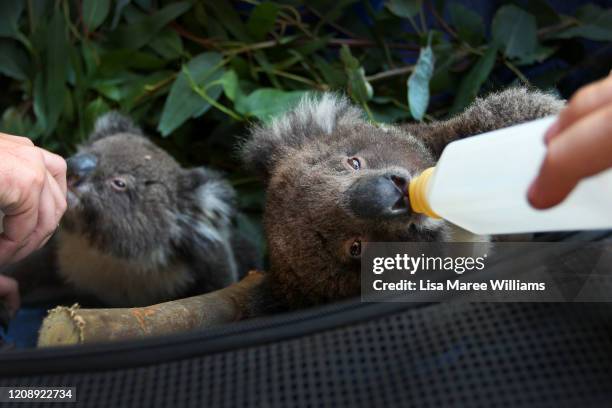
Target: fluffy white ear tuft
column 315, row 115
column 207, row 202
column 112, row 123
column 215, row 199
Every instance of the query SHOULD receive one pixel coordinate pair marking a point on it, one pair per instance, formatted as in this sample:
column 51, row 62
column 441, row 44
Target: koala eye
column 355, row 249
column 119, row 184
column 354, row 162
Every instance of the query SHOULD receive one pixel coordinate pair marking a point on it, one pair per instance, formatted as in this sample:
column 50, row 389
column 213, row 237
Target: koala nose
column 379, row 196
column 80, row 166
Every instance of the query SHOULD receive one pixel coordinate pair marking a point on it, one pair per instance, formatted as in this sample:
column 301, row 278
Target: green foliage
column 10, row 11
column 476, row 76
column 262, row 20
column 418, row 83
column 469, row 24
column 195, row 73
column 516, row 31
column 94, row 13
column 170, row 62
column 405, row 8
column 357, row 85
column 595, row 24
column 192, row 91
column 264, row 103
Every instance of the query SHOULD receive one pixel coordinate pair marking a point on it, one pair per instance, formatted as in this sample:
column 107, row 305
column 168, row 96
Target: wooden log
column 73, row 325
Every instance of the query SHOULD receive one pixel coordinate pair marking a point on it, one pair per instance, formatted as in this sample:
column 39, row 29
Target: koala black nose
column 80, row 166
column 379, row 196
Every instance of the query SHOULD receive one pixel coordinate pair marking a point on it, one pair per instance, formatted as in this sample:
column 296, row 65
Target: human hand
column 32, row 196
column 579, row 145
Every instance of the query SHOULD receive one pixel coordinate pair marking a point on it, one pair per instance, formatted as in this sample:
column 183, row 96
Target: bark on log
column 73, row 325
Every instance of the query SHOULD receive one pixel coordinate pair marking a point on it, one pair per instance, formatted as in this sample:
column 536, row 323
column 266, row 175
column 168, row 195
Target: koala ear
column 112, row 123
column 205, row 196
column 315, row 116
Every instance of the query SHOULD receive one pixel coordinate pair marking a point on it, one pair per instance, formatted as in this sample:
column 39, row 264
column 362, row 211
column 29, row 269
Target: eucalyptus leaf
column 183, row 101
column 330, row 11
column 111, row 88
column 38, row 102
column 230, row 19
column 266, row 103
column 358, row 87
column 145, row 88
column 145, row 4
column 516, row 31
column 544, row 13
column 119, row 6
column 404, row 8
column 53, row 87
column 262, row 19
column 332, row 75
column 471, row 83
column 95, row 12
column 588, row 31
column 123, row 87
column 595, row 24
column 14, row 61
column 468, row 23
column 94, row 110
column 167, row 44
column 230, row 84
column 539, row 54
column 10, row 11
column 69, row 109
column 593, row 14
column 418, row 83
column 121, row 59
column 389, row 113
column 138, row 34
column 15, row 123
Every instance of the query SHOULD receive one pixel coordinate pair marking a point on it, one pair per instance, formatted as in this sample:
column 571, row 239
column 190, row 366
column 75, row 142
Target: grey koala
column 335, row 181
column 139, row 228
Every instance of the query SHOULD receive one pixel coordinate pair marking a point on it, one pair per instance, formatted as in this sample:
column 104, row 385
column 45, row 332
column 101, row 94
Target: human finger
column 582, row 150
column 587, row 100
column 47, row 222
column 56, row 165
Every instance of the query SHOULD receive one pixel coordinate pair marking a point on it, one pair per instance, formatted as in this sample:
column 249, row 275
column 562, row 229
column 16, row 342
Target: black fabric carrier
column 349, row 354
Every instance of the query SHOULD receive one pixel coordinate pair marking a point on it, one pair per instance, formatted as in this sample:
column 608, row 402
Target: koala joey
column 335, row 181
column 140, row 229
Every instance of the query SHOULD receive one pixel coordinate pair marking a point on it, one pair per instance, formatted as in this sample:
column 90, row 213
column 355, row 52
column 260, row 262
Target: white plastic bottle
column 480, row 184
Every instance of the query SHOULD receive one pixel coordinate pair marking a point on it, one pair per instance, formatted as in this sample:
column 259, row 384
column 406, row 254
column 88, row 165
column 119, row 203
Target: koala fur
column 140, row 229
column 306, row 160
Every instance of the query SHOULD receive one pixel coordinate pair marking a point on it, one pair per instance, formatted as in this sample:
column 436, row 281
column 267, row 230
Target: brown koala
column 139, row 228
column 335, row 181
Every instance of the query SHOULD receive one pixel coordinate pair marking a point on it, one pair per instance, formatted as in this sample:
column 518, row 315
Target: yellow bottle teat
column 417, row 190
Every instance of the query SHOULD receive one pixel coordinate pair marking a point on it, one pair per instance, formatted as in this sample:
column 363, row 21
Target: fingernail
column 532, row 195
column 551, row 132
